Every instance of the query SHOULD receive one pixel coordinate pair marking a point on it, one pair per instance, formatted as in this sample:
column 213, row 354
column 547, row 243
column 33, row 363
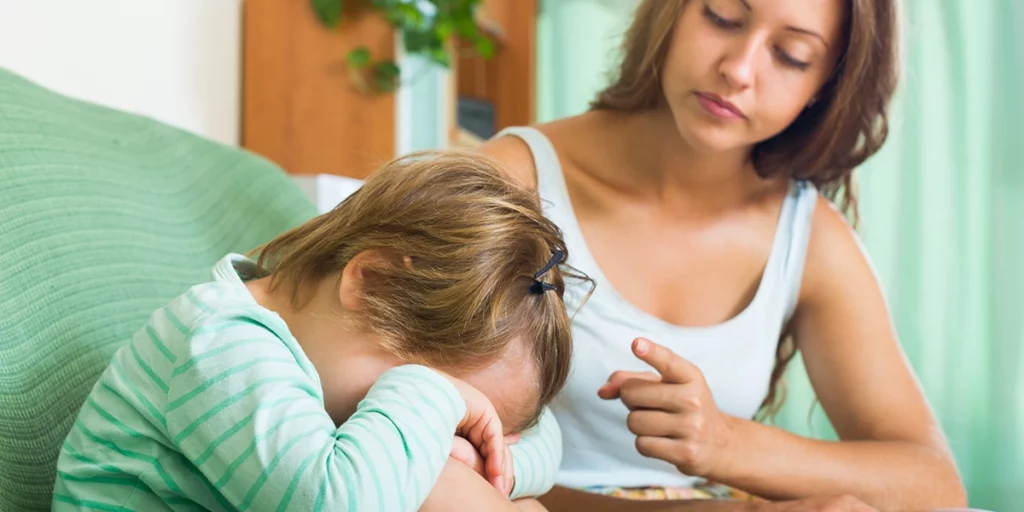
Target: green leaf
column 384, row 5
column 327, row 11
column 421, row 41
column 411, row 16
column 485, row 47
column 387, row 69
column 358, row 58
column 443, row 29
column 467, row 27
column 440, row 56
column 386, row 76
column 427, row 27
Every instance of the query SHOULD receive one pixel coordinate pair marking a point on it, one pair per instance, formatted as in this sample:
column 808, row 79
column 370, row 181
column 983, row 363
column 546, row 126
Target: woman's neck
column 663, row 167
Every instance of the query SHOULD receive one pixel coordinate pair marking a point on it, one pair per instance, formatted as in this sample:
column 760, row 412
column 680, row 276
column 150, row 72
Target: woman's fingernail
column 641, row 347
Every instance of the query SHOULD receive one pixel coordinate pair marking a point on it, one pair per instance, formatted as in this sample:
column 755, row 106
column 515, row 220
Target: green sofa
column 104, row 216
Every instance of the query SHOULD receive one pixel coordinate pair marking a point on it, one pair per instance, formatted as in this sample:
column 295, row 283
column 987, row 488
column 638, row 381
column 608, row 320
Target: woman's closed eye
column 720, row 21
column 791, row 61
column 724, row 23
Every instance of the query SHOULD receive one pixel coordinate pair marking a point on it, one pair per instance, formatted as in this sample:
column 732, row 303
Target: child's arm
column 253, row 422
column 536, row 458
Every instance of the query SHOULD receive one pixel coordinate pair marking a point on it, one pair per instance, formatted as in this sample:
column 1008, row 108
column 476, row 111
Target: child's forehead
column 512, row 383
column 518, row 410
column 527, row 419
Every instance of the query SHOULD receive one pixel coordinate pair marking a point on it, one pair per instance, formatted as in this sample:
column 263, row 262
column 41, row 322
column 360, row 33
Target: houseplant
column 428, row 27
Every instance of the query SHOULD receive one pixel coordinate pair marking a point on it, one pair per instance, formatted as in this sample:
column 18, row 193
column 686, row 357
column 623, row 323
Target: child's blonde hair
column 456, row 286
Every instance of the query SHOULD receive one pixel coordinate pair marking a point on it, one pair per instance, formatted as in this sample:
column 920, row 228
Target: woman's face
column 738, row 72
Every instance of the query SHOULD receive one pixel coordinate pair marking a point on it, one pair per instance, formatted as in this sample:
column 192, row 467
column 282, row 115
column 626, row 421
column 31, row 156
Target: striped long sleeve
column 256, row 428
column 536, row 458
column 213, row 405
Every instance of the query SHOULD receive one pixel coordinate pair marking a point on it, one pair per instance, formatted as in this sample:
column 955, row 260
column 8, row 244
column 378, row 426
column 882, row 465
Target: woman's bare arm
column 893, row 454
column 461, row 488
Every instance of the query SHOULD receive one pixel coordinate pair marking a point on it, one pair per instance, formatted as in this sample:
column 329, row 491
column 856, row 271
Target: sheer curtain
column 942, row 215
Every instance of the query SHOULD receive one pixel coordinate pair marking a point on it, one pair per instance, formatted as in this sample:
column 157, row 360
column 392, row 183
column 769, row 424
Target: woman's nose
column 737, row 65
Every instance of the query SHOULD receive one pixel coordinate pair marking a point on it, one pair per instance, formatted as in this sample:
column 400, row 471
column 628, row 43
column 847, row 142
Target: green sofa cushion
column 104, row 217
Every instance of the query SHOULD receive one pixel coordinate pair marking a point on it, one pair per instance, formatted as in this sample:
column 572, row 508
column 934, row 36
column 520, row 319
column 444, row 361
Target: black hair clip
column 538, row 287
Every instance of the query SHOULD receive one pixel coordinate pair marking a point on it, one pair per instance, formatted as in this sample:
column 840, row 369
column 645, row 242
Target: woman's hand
column 672, row 414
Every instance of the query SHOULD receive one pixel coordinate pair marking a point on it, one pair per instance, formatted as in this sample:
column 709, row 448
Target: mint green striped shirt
column 214, row 405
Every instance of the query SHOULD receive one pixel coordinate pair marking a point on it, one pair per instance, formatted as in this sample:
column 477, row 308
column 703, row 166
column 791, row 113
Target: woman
column 705, row 192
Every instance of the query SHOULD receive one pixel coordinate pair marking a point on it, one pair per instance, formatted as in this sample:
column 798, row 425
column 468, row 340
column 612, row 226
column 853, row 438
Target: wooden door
column 300, row 108
column 504, row 86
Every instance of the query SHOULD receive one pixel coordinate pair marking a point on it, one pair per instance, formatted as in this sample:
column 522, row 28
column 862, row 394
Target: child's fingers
column 495, row 441
column 482, row 427
column 464, row 452
column 490, row 442
column 486, row 435
column 508, row 474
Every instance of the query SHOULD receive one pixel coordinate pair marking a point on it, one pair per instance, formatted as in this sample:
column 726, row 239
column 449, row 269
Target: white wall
column 178, row 61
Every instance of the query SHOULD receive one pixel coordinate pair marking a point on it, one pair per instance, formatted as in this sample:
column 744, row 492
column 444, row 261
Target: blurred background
column 330, row 94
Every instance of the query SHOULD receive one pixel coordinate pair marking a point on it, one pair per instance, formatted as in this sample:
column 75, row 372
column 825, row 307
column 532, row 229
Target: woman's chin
column 709, row 136
column 712, row 140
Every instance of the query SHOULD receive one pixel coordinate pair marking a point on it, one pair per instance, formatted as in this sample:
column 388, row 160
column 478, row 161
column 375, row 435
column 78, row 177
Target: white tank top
column 736, row 356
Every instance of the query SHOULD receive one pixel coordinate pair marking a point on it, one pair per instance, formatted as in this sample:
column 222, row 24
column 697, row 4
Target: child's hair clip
column 538, row 287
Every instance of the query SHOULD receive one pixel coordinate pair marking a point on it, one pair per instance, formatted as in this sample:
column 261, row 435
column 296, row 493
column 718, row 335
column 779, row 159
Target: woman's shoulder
column 514, row 159
column 830, row 228
column 834, row 249
column 515, row 156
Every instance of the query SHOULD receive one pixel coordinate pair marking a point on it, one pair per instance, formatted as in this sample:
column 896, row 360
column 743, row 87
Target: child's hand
column 465, row 453
column 482, row 428
column 508, row 476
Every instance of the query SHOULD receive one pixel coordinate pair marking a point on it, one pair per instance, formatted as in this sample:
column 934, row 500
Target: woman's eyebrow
column 808, row 32
column 792, row 28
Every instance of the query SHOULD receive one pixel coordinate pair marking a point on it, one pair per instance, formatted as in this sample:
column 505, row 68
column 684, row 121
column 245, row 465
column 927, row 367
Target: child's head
column 448, row 250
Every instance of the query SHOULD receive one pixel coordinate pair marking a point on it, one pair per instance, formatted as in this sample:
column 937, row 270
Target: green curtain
column 942, row 215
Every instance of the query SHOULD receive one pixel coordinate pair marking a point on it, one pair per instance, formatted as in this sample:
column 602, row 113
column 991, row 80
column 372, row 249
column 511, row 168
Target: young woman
column 708, row 192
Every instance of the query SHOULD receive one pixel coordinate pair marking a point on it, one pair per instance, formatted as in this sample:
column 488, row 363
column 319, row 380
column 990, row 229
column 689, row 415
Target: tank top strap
column 551, row 187
column 550, row 181
column 804, row 196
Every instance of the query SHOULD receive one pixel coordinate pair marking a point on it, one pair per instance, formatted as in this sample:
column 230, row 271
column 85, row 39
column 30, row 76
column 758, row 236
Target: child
column 337, row 371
